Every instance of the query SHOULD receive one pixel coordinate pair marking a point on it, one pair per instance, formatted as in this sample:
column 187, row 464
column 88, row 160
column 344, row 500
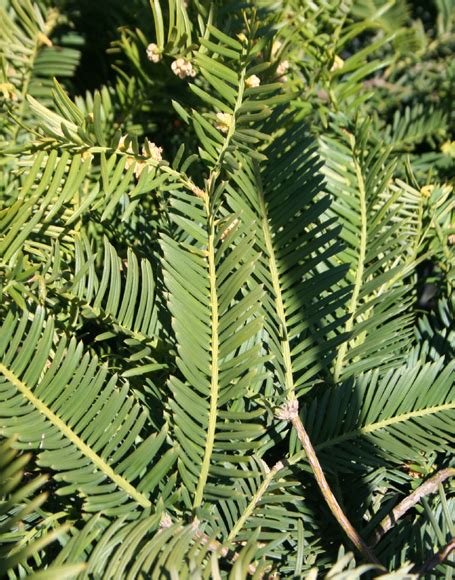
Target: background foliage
column 214, row 215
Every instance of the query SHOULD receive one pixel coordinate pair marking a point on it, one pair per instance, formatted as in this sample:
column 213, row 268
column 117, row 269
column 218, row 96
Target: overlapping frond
column 235, row 93
column 273, row 503
column 122, row 294
column 216, row 321
column 219, row 286
column 413, row 125
column 376, row 419
column 33, row 209
column 83, row 424
column 28, row 58
column 215, row 311
column 156, row 547
column 55, row 193
column 296, row 241
column 18, row 505
column 38, row 206
column 435, row 332
column 80, row 124
column 381, row 247
column 115, row 296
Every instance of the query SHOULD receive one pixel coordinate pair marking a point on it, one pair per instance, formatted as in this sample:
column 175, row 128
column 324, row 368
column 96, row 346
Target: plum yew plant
column 226, row 264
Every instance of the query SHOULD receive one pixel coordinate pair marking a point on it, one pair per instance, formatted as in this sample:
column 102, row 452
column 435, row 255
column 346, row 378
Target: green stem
column 211, row 251
column 382, row 424
column 254, row 501
column 214, row 367
column 358, row 281
column 279, row 304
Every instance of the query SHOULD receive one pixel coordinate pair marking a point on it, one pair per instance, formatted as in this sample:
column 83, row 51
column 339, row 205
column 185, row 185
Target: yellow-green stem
column 254, row 501
column 279, row 304
column 214, row 386
column 214, row 363
column 360, row 267
column 386, row 422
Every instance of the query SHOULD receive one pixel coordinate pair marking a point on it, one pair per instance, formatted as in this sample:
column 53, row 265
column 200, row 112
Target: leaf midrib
column 214, row 361
column 104, row 467
column 385, row 423
column 279, row 304
column 358, row 281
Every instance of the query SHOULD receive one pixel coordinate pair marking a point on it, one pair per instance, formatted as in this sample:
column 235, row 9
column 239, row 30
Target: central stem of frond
column 214, row 367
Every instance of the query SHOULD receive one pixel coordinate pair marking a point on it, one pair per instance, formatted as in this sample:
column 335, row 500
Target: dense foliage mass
column 226, row 261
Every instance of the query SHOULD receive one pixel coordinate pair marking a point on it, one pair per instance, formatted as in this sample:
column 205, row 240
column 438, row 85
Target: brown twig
column 436, row 559
column 290, row 412
column 430, row 486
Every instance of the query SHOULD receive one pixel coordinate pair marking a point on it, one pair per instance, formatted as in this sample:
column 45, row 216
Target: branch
column 430, row 486
column 437, row 558
column 290, row 412
column 255, row 500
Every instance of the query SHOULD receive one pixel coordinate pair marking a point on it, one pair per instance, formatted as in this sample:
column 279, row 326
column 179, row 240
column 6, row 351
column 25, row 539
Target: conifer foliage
column 226, row 265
